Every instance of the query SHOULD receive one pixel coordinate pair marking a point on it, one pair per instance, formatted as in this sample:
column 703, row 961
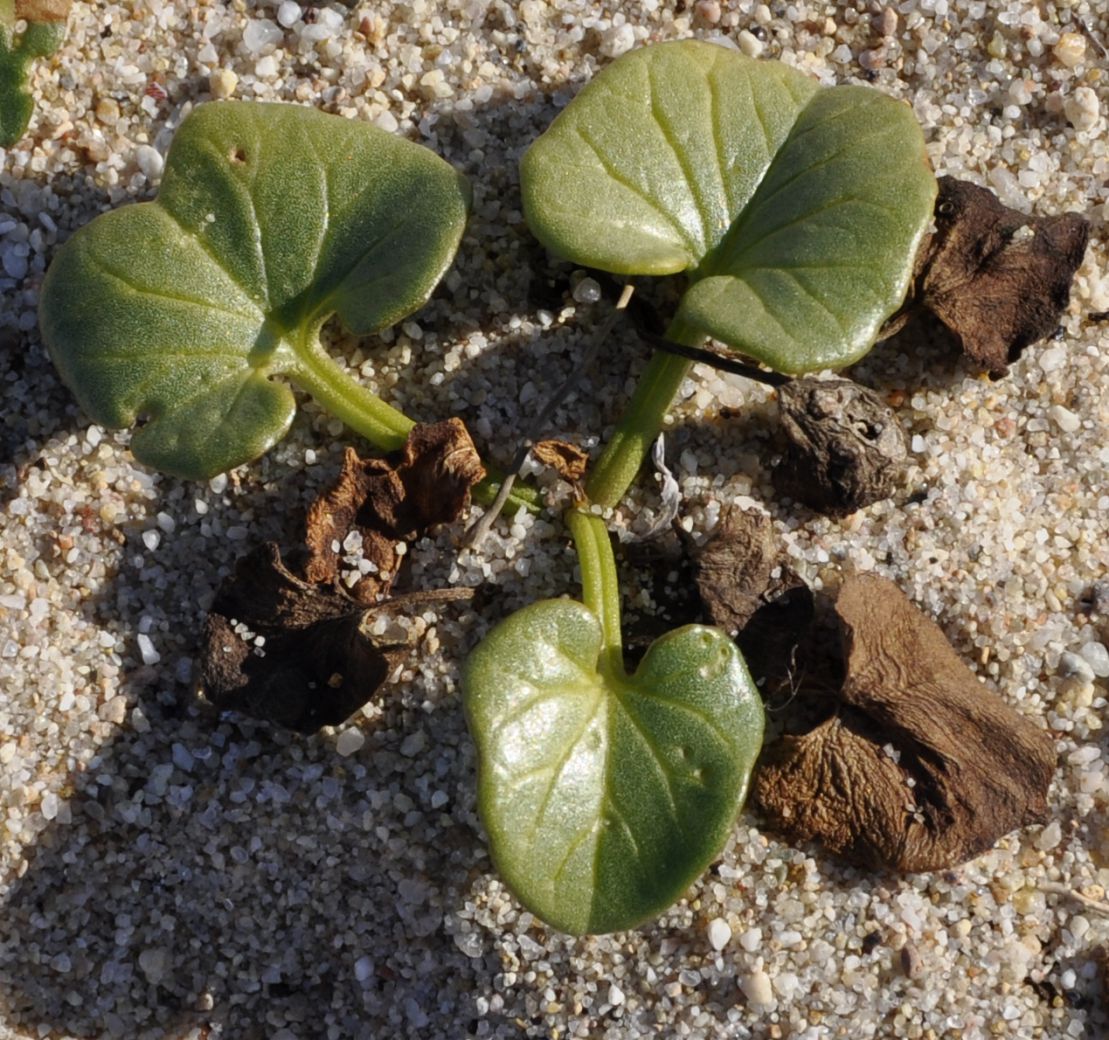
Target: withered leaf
column 748, row 589
column 917, row 766
column 567, row 460
column 845, row 448
column 391, row 500
column 294, row 652
column 997, row 278
column 295, row 644
column 279, row 648
column 43, row 10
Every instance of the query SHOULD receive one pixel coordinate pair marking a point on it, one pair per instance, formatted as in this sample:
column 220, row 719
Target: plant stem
column 614, row 471
column 600, row 585
column 381, row 424
column 360, row 408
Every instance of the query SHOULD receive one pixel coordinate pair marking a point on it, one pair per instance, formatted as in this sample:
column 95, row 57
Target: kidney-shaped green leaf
column 605, row 797
column 270, row 219
column 796, row 210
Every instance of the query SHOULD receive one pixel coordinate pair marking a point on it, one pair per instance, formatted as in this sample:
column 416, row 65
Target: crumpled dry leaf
column 389, row 502
column 997, row 278
column 748, row 588
column 845, row 449
column 741, row 568
column 301, row 645
column 566, row 459
column 42, row 10
column 916, row 766
column 282, row 649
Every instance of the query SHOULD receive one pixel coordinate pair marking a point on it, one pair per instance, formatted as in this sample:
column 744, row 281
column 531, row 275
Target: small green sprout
column 795, row 213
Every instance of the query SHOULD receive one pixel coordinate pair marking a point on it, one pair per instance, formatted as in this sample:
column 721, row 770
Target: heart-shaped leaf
column 796, row 210
column 605, row 797
column 270, row 219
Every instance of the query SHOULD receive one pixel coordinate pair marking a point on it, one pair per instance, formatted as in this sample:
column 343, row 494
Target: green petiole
column 600, row 586
column 614, row 471
column 381, row 424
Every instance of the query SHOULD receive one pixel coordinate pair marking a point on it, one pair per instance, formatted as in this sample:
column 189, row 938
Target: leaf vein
column 696, row 193
column 634, row 188
column 575, row 844
column 162, row 294
column 836, row 320
column 655, row 757
column 558, row 766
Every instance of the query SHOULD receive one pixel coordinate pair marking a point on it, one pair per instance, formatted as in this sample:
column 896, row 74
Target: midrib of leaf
column 631, row 186
column 836, row 319
column 807, row 218
column 560, row 763
column 725, row 288
column 807, row 169
column 259, row 237
column 700, row 716
column 98, row 262
column 325, row 197
column 693, row 183
column 715, row 114
column 264, row 305
column 328, row 304
column 653, row 754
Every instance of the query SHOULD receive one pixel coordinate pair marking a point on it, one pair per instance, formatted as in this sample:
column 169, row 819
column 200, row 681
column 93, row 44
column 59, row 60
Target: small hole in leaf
column 238, row 156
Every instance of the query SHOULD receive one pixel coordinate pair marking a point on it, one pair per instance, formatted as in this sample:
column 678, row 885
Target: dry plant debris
column 566, row 459
column 999, row 279
column 748, row 589
column 389, row 503
column 916, row 766
column 43, row 10
column 741, row 568
column 845, row 449
column 306, row 646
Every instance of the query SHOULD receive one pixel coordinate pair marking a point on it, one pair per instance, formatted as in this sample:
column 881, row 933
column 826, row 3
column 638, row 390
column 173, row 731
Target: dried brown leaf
column 283, row 649
column 43, row 10
column 917, row 766
column 567, row 460
column 748, row 588
column 295, row 645
column 999, row 279
column 845, row 447
column 391, row 501
column 742, row 568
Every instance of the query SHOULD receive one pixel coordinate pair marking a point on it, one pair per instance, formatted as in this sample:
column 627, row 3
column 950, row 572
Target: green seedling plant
column 182, row 314
column 42, row 36
column 794, row 212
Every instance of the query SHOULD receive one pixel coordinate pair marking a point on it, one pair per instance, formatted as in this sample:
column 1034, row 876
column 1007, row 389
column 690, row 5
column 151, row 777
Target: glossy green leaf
column 270, row 219
column 796, row 210
column 605, row 797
